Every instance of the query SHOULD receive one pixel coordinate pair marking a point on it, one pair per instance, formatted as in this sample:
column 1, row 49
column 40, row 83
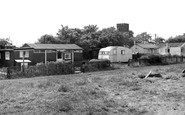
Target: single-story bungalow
column 145, row 48
column 31, row 54
column 172, row 49
column 37, row 53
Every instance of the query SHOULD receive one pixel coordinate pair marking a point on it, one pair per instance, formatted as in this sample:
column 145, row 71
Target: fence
column 160, row 60
column 173, row 59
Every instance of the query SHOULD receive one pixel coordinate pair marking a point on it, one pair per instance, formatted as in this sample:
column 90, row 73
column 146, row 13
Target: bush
column 100, row 64
column 41, row 69
column 151, row 59
column 52, row 68
column 95, row 65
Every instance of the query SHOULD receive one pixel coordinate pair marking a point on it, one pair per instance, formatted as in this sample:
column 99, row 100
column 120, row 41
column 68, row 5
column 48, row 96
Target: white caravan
column 115, row 54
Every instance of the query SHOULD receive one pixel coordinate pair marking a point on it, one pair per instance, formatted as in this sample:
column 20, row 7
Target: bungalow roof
column 172, row 44
column 52, row 46
column 148, row 46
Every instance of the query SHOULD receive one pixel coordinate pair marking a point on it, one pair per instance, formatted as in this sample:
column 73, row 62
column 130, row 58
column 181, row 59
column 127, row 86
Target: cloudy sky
column 24, row 21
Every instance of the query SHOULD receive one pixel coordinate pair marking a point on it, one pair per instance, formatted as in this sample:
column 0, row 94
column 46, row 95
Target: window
column 60, row 55
column 122, row 52
column 67, row 55
column 104, row 52
column 26, row 54
column 7, row 55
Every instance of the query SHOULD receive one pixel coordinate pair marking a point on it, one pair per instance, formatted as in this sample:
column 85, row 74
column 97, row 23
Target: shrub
column 95, row 65
column 151, row 59
column 100, row 64
column 30, row 72
column 52, row 68
column 41, row 69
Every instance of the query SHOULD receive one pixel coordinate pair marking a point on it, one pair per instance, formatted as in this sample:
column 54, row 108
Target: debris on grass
column 172, row 76
column 150, row 74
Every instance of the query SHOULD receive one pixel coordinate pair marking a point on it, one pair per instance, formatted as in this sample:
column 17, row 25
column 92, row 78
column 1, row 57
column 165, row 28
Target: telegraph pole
column 23, row 60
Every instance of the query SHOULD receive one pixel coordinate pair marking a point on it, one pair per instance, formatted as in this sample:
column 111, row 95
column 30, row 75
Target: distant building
column 7, row 56
column 123, row 27
column 31, row 54
column 172, row 49
column 146, row 48
column 37, row 53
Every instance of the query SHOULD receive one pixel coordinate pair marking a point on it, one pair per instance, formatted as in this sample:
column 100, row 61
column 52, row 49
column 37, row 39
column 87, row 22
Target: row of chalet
column 163, row 49
column 32, row 54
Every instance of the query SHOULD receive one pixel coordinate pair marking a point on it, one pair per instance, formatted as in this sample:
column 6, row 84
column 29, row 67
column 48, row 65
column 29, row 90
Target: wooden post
column 72, row 56
column 45, row 56
column 23, row 60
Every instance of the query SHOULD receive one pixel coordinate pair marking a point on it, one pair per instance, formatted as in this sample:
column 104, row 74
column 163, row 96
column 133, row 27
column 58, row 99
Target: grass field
column 114, row 92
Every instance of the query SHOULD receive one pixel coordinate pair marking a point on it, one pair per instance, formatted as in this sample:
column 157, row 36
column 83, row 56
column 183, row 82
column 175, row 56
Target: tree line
column 91, row 37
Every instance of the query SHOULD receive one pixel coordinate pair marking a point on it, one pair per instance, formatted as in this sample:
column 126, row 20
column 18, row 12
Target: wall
column 37, row 57
column 183, row 50
column 78, row 58
column 175, row 51
column 137, row 49
column 124, row 57
column 162, row 50
column 4, row 62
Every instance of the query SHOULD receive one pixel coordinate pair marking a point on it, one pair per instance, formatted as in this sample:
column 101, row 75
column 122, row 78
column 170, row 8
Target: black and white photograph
column 92, row 57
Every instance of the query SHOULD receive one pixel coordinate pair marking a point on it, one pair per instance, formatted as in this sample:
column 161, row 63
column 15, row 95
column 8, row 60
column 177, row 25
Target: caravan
column 115, row 54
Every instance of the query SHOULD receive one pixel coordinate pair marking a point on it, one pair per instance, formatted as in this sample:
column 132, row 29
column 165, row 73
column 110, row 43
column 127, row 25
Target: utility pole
column 23, row 60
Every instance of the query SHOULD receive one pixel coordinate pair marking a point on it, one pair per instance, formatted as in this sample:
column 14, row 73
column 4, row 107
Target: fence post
column 8, row 73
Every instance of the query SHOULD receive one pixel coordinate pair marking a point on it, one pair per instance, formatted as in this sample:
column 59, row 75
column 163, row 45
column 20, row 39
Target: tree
column 48, row 39
column 112, row 37
column 5, row 42
column 143, row 37
column 89, row 37
column 69, row 35
column 159, row 40
column 90, row 29
column 179, row 38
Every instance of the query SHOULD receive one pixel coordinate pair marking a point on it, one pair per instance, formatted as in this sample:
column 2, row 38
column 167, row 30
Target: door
column 60, row 56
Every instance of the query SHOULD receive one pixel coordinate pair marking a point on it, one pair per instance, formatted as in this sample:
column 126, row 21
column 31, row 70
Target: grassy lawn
column 114, row 92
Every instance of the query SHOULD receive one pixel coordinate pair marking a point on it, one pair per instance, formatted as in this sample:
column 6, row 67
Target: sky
column 25, row 21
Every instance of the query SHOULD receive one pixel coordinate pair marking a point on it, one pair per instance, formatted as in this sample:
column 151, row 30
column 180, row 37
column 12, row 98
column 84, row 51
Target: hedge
column 96, row 65
column 41, row 69
column 151, row 59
